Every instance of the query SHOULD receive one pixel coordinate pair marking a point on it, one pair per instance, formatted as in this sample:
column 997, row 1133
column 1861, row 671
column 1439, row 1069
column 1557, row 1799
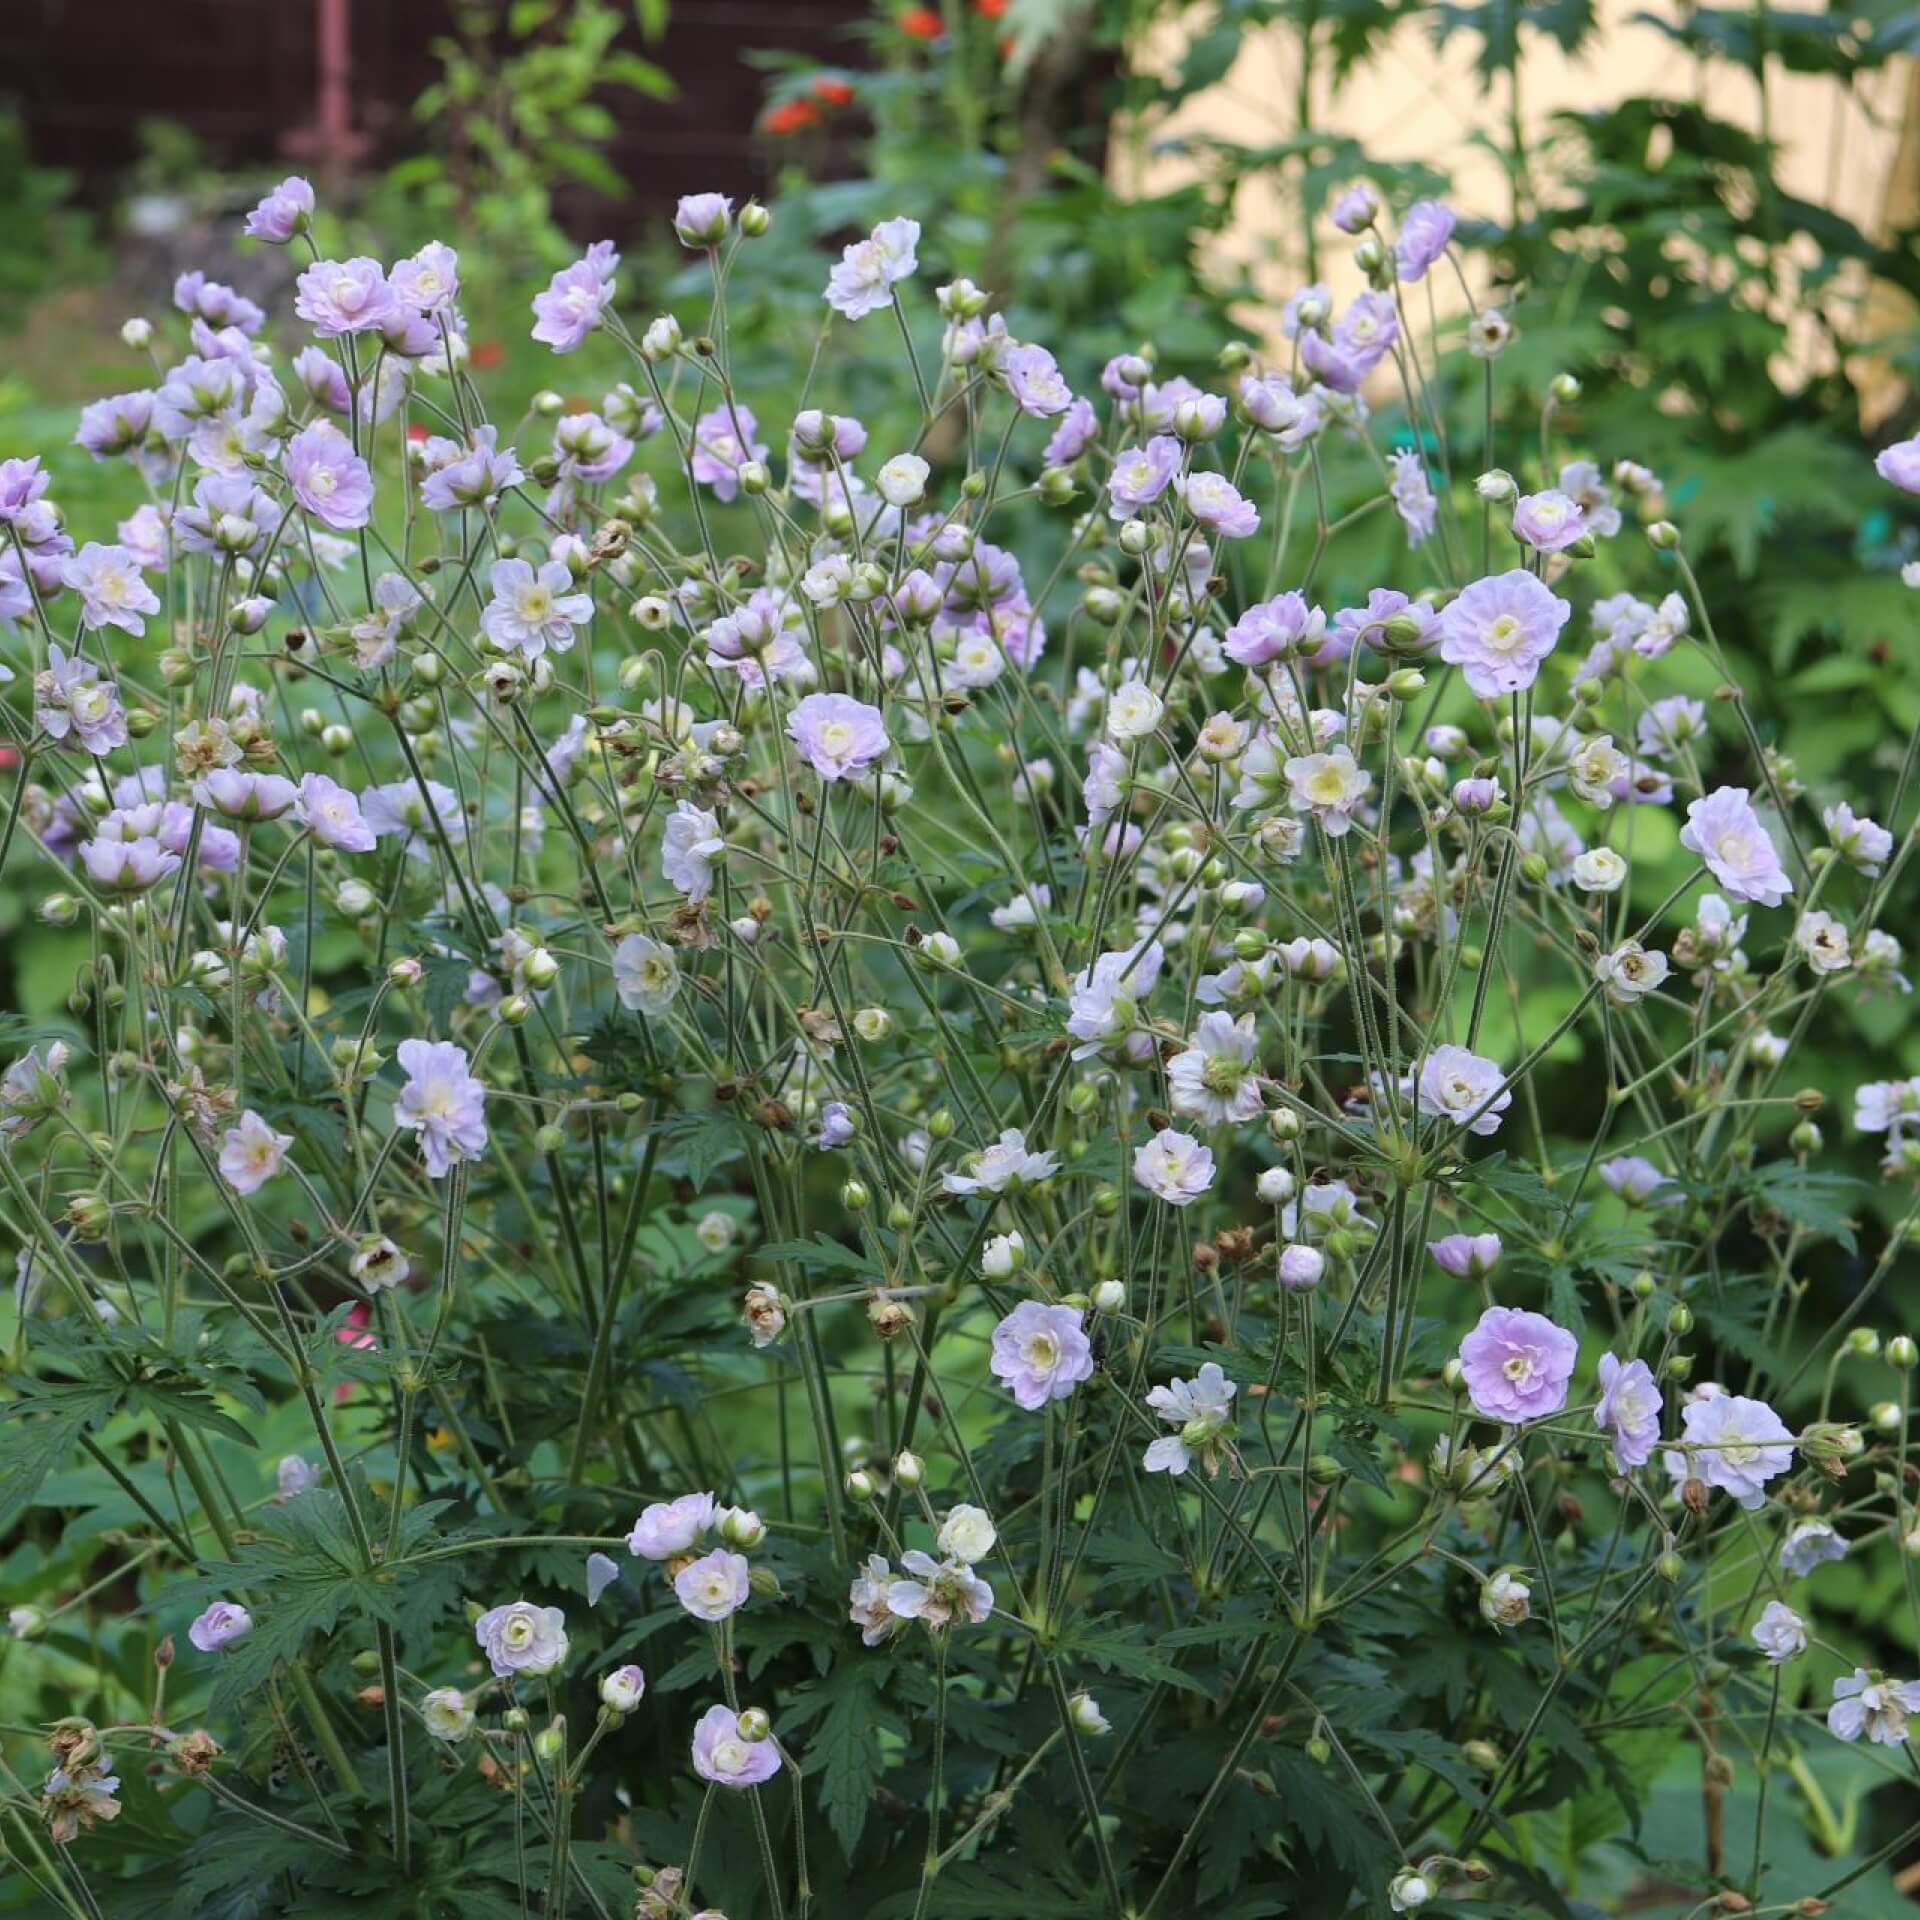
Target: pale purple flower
column 1628, row 1411
column 1301, row 1267
column 723, row 443
column 1007, row 1163
column 251, row 1153
column 344, row 296
column 1500, row 629
column 1467, row 1256
column 1900, row 464
column 442, row 1102
column 701, row 220
column 241, row 795
column 531, row 611
column 115, row 425
column 1198, row 1409
column 328, row 478
column 1863, row 843
column 870, row 269
column 715, row 1586
column 1103, row 1003
column 1413, row 497
column 1343, row 357
column 572, row 306
column 1516, row 1365
column 1355, row 209
column 1034, row 379
column 1637, row 1181
column 1270, row 402
column 1723, row 829
column 21, row 485
column 1465, row 1088
column 1041, row 1352
column 286, row 211
column 1548, row 522
column 670, row 1528
column 1742, row 1444
column 1079, row 428
column 332, row 815
column 1218, row 505
column 1425, row 229
column 723, row 1758
column 1141, row 475
column 1275, row 629
column 1173, row 1167
column 837, row 1126
column 220, row 1626
column 217, row 305
column 127, row 866
column 428, row 281
column 111, row 589
column 72, row 701
column 840, row 738
column 1779, row 1633
column 522, row 1639
column 1813, row 1543
column 400, row 810
column 473, row 476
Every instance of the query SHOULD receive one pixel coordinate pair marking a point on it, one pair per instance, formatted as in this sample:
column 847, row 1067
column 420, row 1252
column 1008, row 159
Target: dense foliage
column 894, row 1176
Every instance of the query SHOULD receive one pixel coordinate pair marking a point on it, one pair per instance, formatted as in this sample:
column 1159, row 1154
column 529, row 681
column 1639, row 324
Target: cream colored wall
column 1414, row 104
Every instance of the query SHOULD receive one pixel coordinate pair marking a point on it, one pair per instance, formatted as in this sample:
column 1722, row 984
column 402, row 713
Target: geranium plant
column 837, row 1180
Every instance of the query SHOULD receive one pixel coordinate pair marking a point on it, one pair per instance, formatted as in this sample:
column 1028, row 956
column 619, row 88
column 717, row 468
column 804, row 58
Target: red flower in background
column 990, row 9
column 922, row 23
column 792, row 116
column 836, row 93
column 488, row 354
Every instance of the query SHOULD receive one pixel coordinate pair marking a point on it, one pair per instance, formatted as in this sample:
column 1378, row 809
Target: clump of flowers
column 900, row 1014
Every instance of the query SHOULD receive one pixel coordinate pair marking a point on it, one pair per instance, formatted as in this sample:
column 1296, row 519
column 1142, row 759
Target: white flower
column 1599, row 870
column 1174, row 1167
column 623, row 1689
column 1003, row 1256
column 1002, row 1165
column 645, row 975
column 867, row 1601
column 690, row 845
column 446, row 1714
column 939, row 1592
column 717, row 1231
column 1329, row 786
column 530, row 611
column 1823, row 942
column 1409, row 1890
column 1870, row 1703
column 1629, row 973
column 902, row 480
column 1780, row 1633
column 1087, row 1717
column 1505, row 1600
column 967, row 1534
column 1811, row 1544
column 1215, row 1080
column 1133, row 711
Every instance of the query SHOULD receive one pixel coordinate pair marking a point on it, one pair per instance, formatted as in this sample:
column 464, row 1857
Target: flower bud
column 754, row 1726
column 755, row 220
column 860, row 1484
column 909, row 1470
column 137, row 333
column 1663, row 535
column 1565, row 388
column 1109, row 1296
column 1900, row 1351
